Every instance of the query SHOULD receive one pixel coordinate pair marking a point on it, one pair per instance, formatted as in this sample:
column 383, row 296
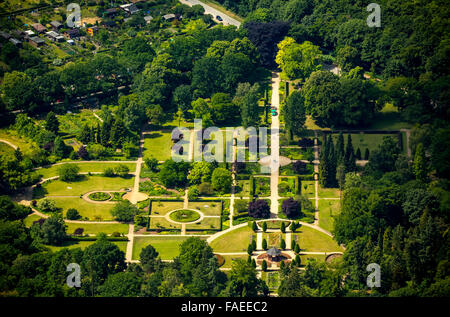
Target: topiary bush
column 264, row 265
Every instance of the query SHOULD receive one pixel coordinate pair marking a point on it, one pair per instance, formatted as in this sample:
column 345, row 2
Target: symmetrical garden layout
column 171, row 217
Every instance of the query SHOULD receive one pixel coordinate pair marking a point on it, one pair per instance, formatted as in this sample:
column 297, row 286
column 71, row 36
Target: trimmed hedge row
column 92, row 238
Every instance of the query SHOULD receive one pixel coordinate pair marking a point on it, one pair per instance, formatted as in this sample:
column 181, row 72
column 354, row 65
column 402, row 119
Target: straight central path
column 288, row 239
column 234, row 183
column 130, row 236
column 134, row 198
column 275, row 146
column 316, row 179
column 259, row 239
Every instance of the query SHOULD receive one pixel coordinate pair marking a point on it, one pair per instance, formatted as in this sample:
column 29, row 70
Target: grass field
column 28, row 221
column 229, row 259
column 210, row 223
column 158, row 144
column 5, row 149
column 389, row 118
column 327, row 210
column 51, row 171
column 163, row 207
column 310, row 189
column 328, row 192
column 162, row 223
column 272, row 279
column 208, row 208
column 83, row 244
column 167, row 247
column 26, row 146
column 234, row 241
column 89, row 183
column 93, row 211
column 311, row 240
column 319, row 257
column 243, row 188
column 363, row 141
column 73, row 123
column 91, row 228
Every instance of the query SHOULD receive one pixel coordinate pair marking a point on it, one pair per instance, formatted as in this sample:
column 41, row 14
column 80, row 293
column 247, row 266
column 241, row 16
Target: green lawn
column 328, row 192
column 158, row 144
column 6, row 149
column 162, row 223
column 312, row 240
column 234, row 241
column 51, row 171
column 229, row 259
column 304, row 258
column 83, row 244
column 94, row 228
column 327, row 210
column 363, row 141
column 243, row 188
column 163, row 207
column 26, row 146
column 210, row 223
column 167, row 247
column 310, row 189
column 73, row 123
column 208, row 208
column 30, row 219
column 87, row 184
column 389, row 118
column 272, row 279
column 93, row 211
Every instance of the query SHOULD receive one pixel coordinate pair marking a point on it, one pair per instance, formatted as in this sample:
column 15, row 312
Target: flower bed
column 100, row 196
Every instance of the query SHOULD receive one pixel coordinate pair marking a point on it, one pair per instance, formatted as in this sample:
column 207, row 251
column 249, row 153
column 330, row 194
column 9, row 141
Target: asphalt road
column 227, row 20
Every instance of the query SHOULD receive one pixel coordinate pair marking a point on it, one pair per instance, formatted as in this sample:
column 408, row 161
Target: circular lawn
column 184, row 215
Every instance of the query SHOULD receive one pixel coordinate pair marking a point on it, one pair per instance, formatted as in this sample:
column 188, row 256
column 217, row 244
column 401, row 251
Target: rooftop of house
column 169, row 16
column 37, row 39
column 52, row 33
column 38, row 27
column 5, row 35
column 15, row 41
column 130, row 7
column 56, row 24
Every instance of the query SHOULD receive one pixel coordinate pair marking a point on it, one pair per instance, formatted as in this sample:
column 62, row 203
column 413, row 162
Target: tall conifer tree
column 349, row 159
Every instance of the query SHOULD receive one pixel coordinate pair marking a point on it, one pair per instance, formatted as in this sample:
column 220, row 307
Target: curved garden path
column 9, row 143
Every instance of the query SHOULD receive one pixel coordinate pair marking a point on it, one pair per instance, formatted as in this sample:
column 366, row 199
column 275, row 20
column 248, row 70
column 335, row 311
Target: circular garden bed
column 184, row 215
column 100, row 196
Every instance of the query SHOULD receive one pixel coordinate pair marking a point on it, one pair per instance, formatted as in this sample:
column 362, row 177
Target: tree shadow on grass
column 153, row 135
column 39, row 192
column 77, row 179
